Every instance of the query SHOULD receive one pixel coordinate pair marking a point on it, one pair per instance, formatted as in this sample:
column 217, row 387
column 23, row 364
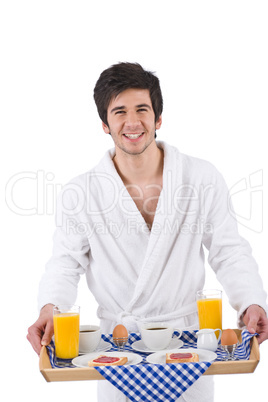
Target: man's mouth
column 132, row 136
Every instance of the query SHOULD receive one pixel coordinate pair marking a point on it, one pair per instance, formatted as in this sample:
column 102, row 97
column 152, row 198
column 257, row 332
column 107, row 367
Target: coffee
column 156, row 335
column 155, row 329
column 89, row 338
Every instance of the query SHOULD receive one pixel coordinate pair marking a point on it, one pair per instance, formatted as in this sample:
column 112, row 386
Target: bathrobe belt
column 132, row 321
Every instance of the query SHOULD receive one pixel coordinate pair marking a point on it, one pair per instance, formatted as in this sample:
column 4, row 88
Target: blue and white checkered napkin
column 154, row 382
column 158, row 382
column 243, row 350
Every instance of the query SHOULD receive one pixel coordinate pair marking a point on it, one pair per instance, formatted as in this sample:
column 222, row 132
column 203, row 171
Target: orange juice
column 210, row 313
column 66, row 331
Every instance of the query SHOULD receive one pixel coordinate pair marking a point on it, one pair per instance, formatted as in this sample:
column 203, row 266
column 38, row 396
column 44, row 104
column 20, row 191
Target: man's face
column 131, row 121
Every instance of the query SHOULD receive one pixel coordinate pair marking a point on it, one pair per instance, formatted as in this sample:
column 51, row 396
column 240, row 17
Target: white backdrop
column 211, row 58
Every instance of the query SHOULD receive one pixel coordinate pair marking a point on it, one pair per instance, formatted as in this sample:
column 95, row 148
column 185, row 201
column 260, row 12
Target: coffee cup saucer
column 139, row 346
column 102, row 347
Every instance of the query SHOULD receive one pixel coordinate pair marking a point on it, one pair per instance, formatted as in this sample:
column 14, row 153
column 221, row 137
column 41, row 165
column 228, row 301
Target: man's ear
column 105, row 128
column 158, row 123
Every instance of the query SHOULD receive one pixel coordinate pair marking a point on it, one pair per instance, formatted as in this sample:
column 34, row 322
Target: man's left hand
column 256, row 321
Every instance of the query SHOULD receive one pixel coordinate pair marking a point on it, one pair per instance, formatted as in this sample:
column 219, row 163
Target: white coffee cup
column 89, row 338
column 157, row 336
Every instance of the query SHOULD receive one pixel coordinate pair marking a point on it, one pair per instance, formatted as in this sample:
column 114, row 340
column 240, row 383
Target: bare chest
column 146, row 199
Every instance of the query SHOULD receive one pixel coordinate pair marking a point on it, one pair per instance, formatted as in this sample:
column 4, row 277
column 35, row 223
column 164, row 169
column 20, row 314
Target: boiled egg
column 229, row 337
column 120, row 331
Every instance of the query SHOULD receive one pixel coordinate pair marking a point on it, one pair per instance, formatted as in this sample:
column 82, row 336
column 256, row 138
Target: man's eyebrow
column 144, row 105
column 117, row 108
column 138, row 106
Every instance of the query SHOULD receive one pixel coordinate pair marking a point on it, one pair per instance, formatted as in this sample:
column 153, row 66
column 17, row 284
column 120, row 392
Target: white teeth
column 133, row 136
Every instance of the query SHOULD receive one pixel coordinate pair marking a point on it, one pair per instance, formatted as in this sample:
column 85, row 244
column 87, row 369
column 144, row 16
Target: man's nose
column 132, row 119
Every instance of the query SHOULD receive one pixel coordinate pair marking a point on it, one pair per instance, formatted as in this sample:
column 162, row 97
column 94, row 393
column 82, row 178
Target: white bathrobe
column 138, row 275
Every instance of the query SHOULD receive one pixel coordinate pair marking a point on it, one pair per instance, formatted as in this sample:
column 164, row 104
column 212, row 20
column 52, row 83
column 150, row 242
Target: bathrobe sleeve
column 230, row 255
column 70, row 256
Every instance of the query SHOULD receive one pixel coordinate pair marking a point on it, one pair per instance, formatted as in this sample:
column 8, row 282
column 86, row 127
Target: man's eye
column 142, row 110
column 120, row 112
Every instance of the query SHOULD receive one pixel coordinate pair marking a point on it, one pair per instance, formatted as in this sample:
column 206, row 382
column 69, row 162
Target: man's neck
column 140, row 169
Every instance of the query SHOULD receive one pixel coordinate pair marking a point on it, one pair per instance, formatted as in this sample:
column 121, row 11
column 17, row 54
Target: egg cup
column 230, row 350
column 120, row 342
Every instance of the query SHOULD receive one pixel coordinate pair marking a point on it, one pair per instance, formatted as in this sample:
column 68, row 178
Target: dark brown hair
column 120, row 77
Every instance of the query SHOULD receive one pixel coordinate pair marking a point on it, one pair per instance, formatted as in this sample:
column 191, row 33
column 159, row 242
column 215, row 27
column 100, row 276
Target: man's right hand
column 40, row 333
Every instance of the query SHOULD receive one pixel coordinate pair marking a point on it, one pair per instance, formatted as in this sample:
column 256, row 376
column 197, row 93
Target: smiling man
column 131, row 121
column 156, row 196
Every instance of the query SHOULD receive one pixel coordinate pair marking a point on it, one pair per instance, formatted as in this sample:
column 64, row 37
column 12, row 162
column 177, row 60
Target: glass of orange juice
column 209, row 306
column 66, row 331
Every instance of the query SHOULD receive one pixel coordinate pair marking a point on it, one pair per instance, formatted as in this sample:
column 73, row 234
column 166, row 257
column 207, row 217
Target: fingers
column 34, row 337
column 46, row 339
column 256, row 322
column 252, row 317
column 252, row 324
column 40, row 333
column 255, row 318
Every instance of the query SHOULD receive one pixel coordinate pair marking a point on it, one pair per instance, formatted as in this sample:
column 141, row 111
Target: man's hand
column 40, row 333
column 256, row 321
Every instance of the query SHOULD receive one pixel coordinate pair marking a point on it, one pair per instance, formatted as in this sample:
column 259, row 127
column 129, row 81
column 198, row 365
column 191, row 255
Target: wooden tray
column 79, row 374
